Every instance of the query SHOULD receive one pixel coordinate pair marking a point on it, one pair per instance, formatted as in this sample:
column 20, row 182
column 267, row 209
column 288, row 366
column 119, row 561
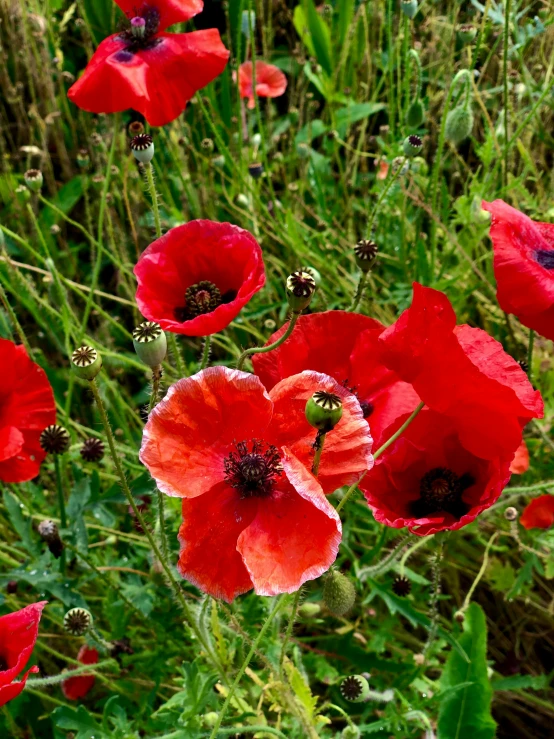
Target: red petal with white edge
column 208, row 535
column 347, row 449
column 192, row 430
column 294, row 536
column 171, row 11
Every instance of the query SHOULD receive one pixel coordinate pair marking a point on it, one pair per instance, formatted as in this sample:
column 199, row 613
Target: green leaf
column 22, row 525
column 100, row 16
column 79, row 721
column 301, row 688
column 467, row 712
column 345, row 117
column 321, row 37
column 346, row 13
column 520, row 682
column 301, row 25
column 80, row 496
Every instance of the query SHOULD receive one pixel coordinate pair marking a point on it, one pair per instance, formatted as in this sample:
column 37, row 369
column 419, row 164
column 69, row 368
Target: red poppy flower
column 77, row 687
column 520, row 462
column 461, row 372
column 523, row 266
column 195, row 279
column 270, row 82
column 254, row 515
column 343, row 345
column 18, row 634
column 26, row 408
column 149, row 70
column 539, row 513
column 429, row 482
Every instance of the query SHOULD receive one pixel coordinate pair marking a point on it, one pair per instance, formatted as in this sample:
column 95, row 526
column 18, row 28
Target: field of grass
column 333, row 172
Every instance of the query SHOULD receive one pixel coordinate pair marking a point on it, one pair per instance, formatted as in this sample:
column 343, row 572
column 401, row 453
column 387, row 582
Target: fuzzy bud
column 415, row 115
column 300, row 290
column 86, row 362
column 339, row 593
column 511, row 514
column 54, row 439
column 459, row 124
column 33, row 179
column 309, row 610
column 324, row 411
column 350, row 732
column 409, row 7
column 365, row 254
column 48, row 532
column 412, row 145
column 150, row 343
column 142, row 147
column 355, row 689
column 77, row 621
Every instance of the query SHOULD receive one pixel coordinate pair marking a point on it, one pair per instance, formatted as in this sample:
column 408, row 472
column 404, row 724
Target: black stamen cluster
column 253, row 472
column 441, row 490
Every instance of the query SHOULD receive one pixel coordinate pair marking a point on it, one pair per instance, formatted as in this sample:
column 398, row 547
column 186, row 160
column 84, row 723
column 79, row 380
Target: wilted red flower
column 254, row 515
column 149, row 70
column 539, row 513
column 343, row 345
column 270, row 81
column 26, row 408
column 520, row 462
column 428, row 481
column 523, row 266
column 461, row 372
column 77, row 687
column 18, row 634
column 195, row 279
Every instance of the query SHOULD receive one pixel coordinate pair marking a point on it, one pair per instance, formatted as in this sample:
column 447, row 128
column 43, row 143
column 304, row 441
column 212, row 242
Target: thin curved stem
column 481, row 572
column 206, row 352
column 156, row 379
column 177, row 355
column 154, row 196
column 61, row 505
column 264, row 349
column 288, row 632
column 408, row 553
column 319, row 442
column 359, row 291
column 507, row 10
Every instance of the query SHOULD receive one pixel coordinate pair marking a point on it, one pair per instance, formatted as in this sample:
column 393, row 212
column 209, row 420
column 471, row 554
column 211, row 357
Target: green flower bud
column 339, row 593
column 142, row 147
column 412, row 145
column 77, row 621
column 466, row 33
column 415, row 115
column 309, row 610
column 355, row 689
column 86, row 362
column 324, row 411
column 210, row 719
column 300, row 290
column 350, row 732
column 22, row 194
column 150, row 343
column 33, row 179
column 459, row 123
column 409, row 7
column 365, row 253
column 478, row 214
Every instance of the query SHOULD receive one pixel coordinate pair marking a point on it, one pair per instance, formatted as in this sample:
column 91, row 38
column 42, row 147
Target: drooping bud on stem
column 300, row 290
column 86, row 362
column 48, row 532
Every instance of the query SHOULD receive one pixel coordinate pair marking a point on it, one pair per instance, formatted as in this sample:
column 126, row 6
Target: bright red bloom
column 77, row 687
column 18, row 634
column 429, row 482
column 343, row 345
column 539, row 513
column 195, row 279
column 26, row 408
column 520, row 462
column 463, row 373
column 270, row 82
column 254, row 515
column 149, row 70
column 523, row 266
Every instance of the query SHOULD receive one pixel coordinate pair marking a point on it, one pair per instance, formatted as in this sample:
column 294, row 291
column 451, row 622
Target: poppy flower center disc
column 3, row 664
column 545, row 258
column 442, row 490
column 139, row 35
column 253, row 471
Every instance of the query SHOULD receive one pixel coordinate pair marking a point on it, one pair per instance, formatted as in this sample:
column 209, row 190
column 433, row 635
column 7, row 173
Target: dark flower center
column 253, row 472
column 139, row 35
column 367, row 408
column 202, row 298
column 545, row 257
column 3, row 664
column 441, row 490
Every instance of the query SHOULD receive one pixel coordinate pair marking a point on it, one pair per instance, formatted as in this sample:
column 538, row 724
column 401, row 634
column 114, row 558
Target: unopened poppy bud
column 511, row 514
column 256, row 170
column 409, row 7
column 33, row 179
column 256, row 140
column 309, row 610
column 142, row 147
column 478, row 214
column 355, row 689
column 324, row 411
column 243, row 200
column 210, row 719
column 350, row 732
column 401, row 586
column 219, row 161
column 86, row 362
column 138, row 26
column 92, row 450
column 48, row 532
column 77, row 621
column 365, row 253
column 339, row 593
column 415, row 114
column 300, row 290
column 150, row 343
column 466, row 33
column 412, row 145
column 54, row 439
column 459, row 123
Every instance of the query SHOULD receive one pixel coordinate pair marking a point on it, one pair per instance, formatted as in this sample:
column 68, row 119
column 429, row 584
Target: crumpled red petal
column 520, row 462
column 539, row 513
column 75, row 688
column 171, row 11
column 270, row 81
column 18, row 635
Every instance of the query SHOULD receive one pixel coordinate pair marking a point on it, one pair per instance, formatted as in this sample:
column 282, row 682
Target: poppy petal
column 520, row 462
column 539, row 513
column 11, row 691
column 18, row 635
column 171, row 11
column 75, row 688
column 270, row 81
column 11, row 442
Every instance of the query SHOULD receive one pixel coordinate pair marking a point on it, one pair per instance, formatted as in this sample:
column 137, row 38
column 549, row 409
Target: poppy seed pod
column 339, row 593
column 466, row 33
column 409, row 7
column 412, row 145
column 92, row 450
column 401, row 586
column 142, row 147
column 150, row 343
column 313, row 272
column 256, row 170
column 54, row 439
column 365, row 253
column 33, row 179
column 86, row 362
column 77, row 621
column 415, row 115
column 355, row 688
column 459, row 123
column 324, row 411
column 511, row 514
column 300, row 289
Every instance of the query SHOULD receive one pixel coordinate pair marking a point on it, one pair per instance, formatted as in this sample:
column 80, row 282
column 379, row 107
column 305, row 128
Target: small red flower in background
column 254, row 515
column 149, row 70
column 18, row 634
column 523, row 266
column 539, row 513
column 429, row 482
column 77, row 687
column 270, row 82
column 461, row 372
column 195, row 279
column 520, row 462
column 343, row 345
column 26, row 408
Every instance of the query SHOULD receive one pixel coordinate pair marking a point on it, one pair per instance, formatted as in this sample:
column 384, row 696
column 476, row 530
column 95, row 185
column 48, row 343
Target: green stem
column 319, row 442
column 530, row 354
column 288, row 632
column 13, row 318
column 408, row 553
column 156, row 379
column 392, row 179
column 245, row 664
column 531, row 488
column 178, row 359
column 264, row 349
column 154, row 196
column 481, row 572
column 85, row 669
column 61, row 505
column 206, row 352
column 506, row 90
column 359, row 291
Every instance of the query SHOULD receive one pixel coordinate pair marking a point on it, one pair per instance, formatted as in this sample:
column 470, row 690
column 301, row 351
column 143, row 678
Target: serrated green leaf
column 78, row 720
column 301, row 688
column 467, row 712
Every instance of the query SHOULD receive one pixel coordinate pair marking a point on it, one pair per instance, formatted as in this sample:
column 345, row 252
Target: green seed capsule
column 150, row 343
column 300, row 290
column 409, row 7
column 86, row 362
column 33, row 179
column 415, row 115
column 324, row 411
column 412, row 145
column 142, row 147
